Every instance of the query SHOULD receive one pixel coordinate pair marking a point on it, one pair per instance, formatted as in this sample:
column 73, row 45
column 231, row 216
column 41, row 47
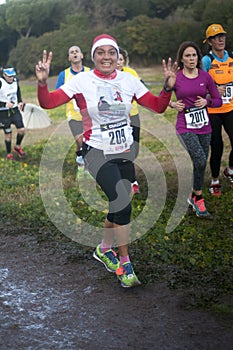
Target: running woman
column 195, row 91
column 104, row 96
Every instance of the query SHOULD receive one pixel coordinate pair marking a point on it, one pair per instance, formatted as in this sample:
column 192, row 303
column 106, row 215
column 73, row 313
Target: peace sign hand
column 43, row 67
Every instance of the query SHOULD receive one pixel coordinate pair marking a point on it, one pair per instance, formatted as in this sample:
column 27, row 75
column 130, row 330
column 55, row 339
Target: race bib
column 228, row 94
column 115, row 136
column 196, row 118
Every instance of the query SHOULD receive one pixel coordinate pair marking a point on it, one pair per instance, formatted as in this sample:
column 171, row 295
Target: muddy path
column 56, row 298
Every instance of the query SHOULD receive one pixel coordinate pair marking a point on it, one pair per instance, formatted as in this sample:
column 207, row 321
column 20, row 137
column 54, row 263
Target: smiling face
column 189, row 58
column 105, row 59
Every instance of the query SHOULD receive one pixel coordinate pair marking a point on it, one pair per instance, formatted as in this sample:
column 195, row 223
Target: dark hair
column 125, row 55
column 181, row 50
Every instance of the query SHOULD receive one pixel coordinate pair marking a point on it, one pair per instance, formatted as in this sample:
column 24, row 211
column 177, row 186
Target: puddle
column 42, row 312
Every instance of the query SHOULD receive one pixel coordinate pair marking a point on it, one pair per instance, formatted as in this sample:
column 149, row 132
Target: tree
column 149, row 30
column 8, row 37
column 28, row 17
column 162, row 9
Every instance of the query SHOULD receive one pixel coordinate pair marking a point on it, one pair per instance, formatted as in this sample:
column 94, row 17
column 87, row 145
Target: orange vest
column 222, row 74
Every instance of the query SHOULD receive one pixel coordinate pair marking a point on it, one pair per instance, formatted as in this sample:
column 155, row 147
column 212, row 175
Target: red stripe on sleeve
column 155, row 103
column 51, row 99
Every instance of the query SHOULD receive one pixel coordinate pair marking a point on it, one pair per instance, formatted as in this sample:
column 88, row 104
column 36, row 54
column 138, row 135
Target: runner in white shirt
column 104, row 96
column 11, row 105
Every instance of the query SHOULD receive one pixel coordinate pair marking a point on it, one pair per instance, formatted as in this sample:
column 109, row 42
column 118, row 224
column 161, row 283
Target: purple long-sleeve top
column 188, row 90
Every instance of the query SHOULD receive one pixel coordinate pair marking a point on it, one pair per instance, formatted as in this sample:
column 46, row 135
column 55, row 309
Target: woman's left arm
column 157, row 104
column 214, row 99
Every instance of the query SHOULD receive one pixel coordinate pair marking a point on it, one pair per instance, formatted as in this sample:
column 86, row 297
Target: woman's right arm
column 48, row 99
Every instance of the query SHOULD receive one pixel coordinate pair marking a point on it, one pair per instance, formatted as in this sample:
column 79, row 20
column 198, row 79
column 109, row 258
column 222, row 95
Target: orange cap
column 212, row 30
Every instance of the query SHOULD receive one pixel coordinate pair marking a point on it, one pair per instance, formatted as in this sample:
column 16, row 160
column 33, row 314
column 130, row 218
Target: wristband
column 167, row 89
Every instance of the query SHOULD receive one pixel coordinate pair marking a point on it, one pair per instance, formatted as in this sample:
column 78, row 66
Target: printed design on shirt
column 111, row 104
column 214, row 66
column 113, row 117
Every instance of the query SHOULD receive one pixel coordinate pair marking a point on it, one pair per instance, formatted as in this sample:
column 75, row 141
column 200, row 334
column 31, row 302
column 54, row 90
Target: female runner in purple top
column 195, row 91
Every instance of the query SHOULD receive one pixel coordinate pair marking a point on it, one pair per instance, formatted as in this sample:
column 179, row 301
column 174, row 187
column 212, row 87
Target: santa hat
column 104, row 39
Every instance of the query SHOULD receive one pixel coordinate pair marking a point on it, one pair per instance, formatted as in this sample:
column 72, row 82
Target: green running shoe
column 109, row 259
column 127, row 276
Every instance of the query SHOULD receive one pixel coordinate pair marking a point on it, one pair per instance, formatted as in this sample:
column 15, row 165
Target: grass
column 196, row 256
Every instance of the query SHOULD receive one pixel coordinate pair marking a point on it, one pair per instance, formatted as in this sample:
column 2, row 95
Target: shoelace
column 111, row 255
column 201, row 204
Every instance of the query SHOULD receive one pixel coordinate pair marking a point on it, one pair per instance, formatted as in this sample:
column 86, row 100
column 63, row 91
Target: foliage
column 34, row 19
column 150, row 30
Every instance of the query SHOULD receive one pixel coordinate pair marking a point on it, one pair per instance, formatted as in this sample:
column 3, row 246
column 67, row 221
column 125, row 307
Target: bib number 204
column 117, row 137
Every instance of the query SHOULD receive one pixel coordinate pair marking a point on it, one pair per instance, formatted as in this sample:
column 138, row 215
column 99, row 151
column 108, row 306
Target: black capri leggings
column 197, row 145
column 113, row 174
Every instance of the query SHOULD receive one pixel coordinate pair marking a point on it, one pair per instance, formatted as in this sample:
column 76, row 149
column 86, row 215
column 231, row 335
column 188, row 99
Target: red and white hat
column 103, row 39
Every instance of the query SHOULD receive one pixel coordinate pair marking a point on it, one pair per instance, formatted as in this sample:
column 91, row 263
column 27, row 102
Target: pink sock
column 124, row 259
column 104, row 247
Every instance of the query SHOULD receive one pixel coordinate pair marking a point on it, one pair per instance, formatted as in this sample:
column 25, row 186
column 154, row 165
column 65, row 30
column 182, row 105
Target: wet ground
column 49, row 300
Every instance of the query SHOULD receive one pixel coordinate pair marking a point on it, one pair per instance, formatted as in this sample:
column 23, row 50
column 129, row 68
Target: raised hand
column 170, row 71
column 43, row 67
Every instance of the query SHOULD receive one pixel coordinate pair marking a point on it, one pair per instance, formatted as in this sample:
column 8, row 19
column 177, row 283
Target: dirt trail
column 51, row 298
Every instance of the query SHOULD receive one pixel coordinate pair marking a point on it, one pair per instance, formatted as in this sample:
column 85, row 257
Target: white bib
column 228, row 94
column 116, row 136
column 196, row 118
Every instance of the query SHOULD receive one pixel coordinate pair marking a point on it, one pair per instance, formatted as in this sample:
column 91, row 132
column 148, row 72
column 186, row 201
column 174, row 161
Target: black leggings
column 113, row 175
column 217, row 122
column 197, row 145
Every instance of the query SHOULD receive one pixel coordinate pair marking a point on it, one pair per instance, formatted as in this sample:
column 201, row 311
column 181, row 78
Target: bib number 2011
column 196, row 118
